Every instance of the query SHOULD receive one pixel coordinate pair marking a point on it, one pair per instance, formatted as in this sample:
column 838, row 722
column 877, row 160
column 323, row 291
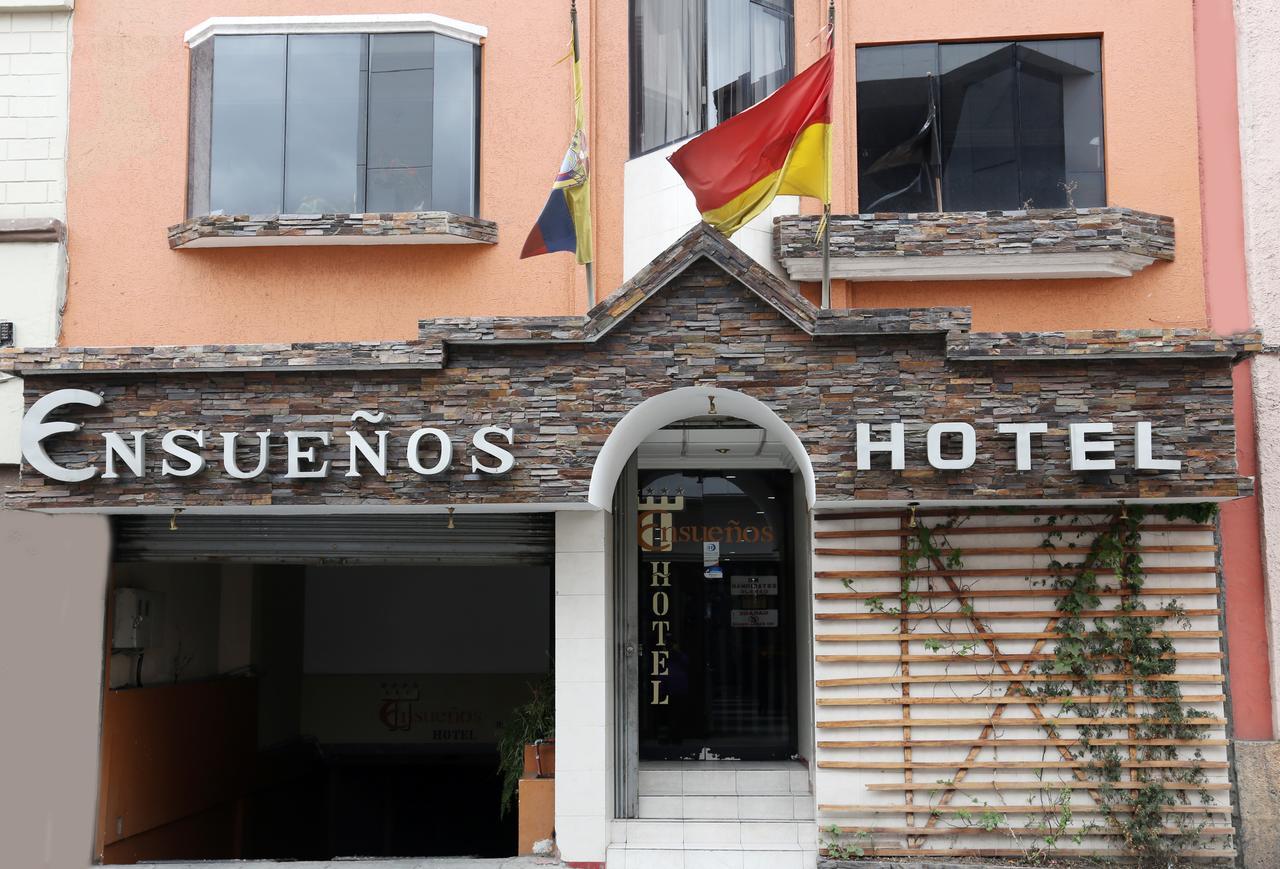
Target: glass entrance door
column 716, row 615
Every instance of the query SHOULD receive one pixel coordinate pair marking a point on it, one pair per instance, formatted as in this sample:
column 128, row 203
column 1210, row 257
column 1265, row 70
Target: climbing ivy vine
column 1112, row 660
column 1135, row 649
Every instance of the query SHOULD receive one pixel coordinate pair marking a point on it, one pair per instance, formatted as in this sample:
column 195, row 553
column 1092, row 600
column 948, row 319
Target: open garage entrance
column 317, row 687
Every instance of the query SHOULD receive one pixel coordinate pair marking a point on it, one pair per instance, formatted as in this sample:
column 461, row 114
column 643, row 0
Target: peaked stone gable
column 703, row 326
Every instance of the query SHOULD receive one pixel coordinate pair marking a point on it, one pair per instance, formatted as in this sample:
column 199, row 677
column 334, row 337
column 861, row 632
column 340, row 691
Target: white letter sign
column 896, row 446
column 229, row 455
column 1022, row 432
column 297, row 455
column 1081, row 447
column 195, row 461
column 968, row 445
column 34, row 430
column 505, row 459
column 415, row 459
column 1142, row 450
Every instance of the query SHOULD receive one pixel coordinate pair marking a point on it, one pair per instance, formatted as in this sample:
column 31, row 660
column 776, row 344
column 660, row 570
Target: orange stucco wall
column 127, row 166
column 1151, row 151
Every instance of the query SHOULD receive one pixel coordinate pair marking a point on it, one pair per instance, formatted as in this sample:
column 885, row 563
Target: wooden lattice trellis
column 929, row 743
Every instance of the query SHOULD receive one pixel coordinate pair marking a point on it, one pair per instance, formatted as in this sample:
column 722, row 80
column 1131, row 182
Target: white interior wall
column 421, row 620
column 185, row 638
column 657, row 209
column 1258, row 65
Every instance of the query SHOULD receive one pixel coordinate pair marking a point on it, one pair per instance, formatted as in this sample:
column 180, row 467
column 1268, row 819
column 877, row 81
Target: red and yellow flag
column 781, row 145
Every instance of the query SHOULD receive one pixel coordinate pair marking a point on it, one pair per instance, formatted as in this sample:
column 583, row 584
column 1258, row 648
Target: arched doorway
column 711, row 494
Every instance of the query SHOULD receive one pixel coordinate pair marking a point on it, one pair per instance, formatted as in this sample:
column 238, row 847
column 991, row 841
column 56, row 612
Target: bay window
column 334, row 123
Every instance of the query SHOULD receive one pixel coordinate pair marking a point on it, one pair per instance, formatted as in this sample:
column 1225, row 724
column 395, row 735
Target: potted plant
column 530, row 728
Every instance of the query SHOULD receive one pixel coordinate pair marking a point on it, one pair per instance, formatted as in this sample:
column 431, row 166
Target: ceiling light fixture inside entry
column 722, row 450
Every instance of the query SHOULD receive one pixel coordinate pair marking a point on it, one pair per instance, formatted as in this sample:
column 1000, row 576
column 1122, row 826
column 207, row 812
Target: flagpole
column 826, row 206
column 579, row 112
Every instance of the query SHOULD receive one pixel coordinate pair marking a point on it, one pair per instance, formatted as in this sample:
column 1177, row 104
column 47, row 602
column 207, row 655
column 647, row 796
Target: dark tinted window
column 698, row 62
column 247, row 128
column 342, row 123
column 454, row 139
column 325, row 136
column 401, row 95
column 996, row 125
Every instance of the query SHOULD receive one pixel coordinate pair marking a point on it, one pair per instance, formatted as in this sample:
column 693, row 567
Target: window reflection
column 979, row 126
column 247, row 128
column 401, row 92
column 324, row 137
column 696, row 63
column 383, row 123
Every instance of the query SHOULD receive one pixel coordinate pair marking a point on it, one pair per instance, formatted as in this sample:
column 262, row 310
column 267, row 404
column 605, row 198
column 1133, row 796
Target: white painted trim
column 977, row 266
column 768, row 463
column 275, row 24
column 29, row 6
column 660, row 411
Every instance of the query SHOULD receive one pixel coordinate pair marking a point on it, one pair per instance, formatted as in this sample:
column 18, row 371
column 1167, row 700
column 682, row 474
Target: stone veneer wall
column 703, row 327
column 277, row 228
column 1042, row 230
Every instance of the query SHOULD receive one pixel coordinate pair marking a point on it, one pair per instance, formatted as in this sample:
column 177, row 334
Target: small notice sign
column 753, row 585
column 753, row 618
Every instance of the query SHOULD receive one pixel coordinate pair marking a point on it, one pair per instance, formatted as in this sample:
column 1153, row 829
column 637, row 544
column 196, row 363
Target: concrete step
column 759, row 807
column 723, row 778
column 635, row 857
column 716, row 834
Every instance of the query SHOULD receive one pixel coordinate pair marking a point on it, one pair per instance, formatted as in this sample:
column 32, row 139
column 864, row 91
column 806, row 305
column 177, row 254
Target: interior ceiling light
column 722, row 450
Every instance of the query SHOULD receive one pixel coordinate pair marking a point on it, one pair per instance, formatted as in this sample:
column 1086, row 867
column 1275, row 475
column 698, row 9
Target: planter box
column 537, row 815
column 540, row 760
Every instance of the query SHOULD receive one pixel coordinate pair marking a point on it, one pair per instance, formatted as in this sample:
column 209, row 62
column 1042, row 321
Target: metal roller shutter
column 516, row 538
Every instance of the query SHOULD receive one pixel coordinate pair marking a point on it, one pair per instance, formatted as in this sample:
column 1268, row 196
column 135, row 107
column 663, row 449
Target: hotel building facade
column 320, row 481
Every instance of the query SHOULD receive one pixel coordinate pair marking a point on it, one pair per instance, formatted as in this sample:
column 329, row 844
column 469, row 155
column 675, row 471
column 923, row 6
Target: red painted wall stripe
column 1227, row 301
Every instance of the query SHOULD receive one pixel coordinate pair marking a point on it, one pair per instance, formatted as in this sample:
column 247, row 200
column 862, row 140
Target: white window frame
column 293, row 24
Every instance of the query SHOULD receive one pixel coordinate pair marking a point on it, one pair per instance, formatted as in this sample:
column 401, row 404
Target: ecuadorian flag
column 781, row 145
column 565, row 222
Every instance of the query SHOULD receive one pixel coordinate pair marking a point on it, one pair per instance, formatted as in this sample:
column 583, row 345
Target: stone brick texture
column 1041, row 230
column 1257, row 767
column 697, row 321
column 353, row 226
column 34, row 47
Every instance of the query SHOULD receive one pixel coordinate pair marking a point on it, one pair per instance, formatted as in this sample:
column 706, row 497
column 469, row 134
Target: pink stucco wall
column 127, row 164
column 128, row 157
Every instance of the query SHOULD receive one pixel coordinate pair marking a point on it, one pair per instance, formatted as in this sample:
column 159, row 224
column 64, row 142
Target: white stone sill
column 277, row 24
column 28, row 6
column 968, row 267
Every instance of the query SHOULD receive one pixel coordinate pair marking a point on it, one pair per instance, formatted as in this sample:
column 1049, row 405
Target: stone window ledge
column 1044, row 243
column 288, row 230
column 32, row 229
